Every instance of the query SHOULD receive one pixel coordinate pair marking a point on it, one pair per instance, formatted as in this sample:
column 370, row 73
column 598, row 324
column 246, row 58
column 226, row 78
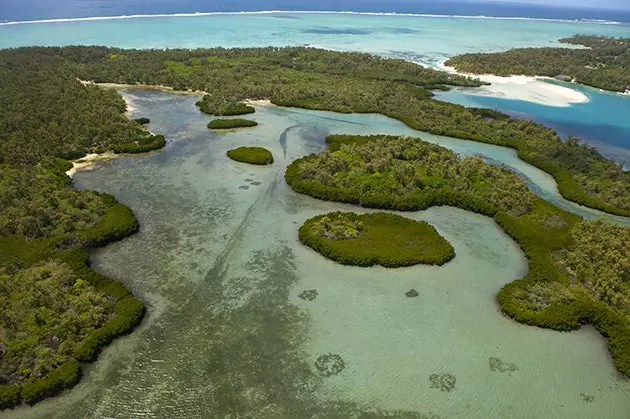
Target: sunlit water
column 219, row 264
column 427, row 40
column 601, row 122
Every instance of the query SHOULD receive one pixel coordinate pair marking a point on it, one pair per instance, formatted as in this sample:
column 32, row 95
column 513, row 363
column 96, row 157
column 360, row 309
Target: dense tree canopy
column 579, row 269
column 54, row 309
column 251, row 155
column 352, row 82
column 48, row 116
column 604, row 63
column 379, row 168
column 380, row 238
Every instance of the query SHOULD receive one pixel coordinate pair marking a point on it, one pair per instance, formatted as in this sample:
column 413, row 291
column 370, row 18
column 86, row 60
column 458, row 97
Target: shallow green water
column 220, row 267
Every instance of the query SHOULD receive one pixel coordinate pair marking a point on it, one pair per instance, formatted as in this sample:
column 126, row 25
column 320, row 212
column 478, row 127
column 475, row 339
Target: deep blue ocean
column 20, row 10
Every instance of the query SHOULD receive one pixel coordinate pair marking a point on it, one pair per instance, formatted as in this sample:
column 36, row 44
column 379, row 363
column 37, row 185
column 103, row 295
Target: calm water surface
column 602, row 122
column 220, row 266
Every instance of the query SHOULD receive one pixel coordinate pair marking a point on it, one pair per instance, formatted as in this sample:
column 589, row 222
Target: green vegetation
column 142, row 121
column 217, row 106
column 605, row 63
column 406, row 174
column 47, row 116
column 55, row 310
column 251, row 155
column 349, row 82
column 375, row 239
column 578, row 270
column 143, row 145
column 231, row 123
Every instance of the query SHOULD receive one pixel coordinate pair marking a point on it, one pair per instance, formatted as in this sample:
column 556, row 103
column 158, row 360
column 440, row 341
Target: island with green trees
column 352, row 82
column 48, row 116
column 578, row 270
column 218, row 106
column 381, row 238
column 252, row 155
column 231, row 123
column 602, row 62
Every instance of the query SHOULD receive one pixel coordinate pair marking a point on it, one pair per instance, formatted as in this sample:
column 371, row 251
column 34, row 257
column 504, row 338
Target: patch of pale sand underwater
column 528, row 88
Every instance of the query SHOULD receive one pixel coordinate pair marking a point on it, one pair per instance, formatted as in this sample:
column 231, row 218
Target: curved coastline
column 528, row 230
column 520, row 87
column 563, row 182
column 116, row 224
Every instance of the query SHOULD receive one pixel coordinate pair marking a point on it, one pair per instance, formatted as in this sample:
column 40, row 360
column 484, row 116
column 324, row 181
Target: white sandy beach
column 528, row 88
column 260, row 102
column 89, row 161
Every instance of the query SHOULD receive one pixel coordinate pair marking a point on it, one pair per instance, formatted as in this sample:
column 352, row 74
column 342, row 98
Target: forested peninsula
column 350, row 82
column 54, row 310
column 603, row 62
column 578, row 270
column 57, row 312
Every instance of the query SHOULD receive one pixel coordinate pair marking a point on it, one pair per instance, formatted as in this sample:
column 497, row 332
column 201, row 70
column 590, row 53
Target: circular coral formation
column 380, row 238
column 252, row 155
column 330, row 364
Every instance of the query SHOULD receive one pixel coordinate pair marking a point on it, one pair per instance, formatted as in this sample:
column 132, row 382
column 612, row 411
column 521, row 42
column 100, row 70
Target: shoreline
column 143, row 86
column 520, row 87
column 89, row 162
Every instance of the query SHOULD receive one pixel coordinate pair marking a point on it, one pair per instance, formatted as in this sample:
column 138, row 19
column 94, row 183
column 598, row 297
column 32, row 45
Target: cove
column 221, row 269
column 425, row 40
column 600, row 122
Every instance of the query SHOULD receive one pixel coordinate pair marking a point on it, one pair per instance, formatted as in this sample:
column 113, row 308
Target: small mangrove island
column 57, row 312
column 578, row 270
column 604, row 63
column 380, row 238
column 219, row 107
column 231, row 123
column 252, row 155
column 346, row 82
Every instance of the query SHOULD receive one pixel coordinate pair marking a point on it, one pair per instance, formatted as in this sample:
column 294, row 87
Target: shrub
column 63, row 377
column 231, row 123
column 142, row 121
column 9, row 396
column 117, row 223
column 251, row 155
column 146, row 144
column 375, row 239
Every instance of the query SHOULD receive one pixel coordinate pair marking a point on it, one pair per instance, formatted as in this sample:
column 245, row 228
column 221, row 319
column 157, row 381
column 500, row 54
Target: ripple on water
column 228, row 334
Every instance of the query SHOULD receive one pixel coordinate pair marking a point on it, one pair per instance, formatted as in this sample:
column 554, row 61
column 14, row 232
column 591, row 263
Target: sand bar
column 528, row 88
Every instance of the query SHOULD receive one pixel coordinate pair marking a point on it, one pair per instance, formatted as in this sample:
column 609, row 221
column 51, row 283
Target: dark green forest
column 352, row 82
column 252, row 155
column 55, row 310
column 603, row 62
column 578, row 270
column 230, row 123
column 380, row 238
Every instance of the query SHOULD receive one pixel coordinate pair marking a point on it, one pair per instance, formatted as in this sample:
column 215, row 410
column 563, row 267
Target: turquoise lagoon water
column 220, row 266
column 603, row 122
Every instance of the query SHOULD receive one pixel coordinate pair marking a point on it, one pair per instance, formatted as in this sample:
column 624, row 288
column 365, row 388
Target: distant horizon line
column 347, row 12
